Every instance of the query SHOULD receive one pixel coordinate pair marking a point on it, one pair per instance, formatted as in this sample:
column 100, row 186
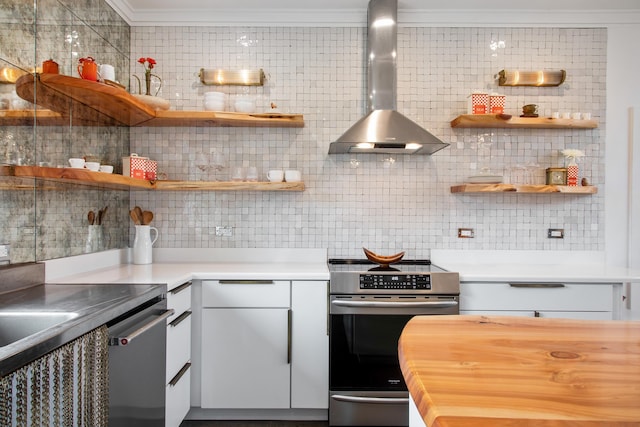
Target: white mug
column 107, row 72
column 292, row 176
column 576, row 116
column 586, row 116
column 275, row 175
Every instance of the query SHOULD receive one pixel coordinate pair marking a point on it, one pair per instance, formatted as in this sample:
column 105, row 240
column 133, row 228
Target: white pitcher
column 143, row 245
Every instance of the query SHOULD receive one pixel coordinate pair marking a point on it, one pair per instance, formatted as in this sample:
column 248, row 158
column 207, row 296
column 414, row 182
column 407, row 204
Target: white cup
column 252, row 174
column 566, row 115
column 76, row 163
column 576, row 116
column 92, row 166
column 586, row 116
column 555, row 115
column 275, row 175
column 107, row 72
column 106, row 168
column 292, row 176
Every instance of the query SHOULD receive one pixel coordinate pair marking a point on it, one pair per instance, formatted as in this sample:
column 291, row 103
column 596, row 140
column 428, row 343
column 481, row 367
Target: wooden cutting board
column 479, row 371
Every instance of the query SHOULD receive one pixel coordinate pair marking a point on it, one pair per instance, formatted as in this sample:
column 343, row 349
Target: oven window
column 364, row 352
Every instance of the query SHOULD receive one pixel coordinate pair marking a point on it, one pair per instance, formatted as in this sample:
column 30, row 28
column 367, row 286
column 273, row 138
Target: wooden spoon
column 147, row 217
column 138, row 212
column 134, row 217
column 91, row 217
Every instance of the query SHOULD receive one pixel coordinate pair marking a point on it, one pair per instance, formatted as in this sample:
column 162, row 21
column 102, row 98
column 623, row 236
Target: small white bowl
column 76, row 163
column 92, row 166
column 106, row 168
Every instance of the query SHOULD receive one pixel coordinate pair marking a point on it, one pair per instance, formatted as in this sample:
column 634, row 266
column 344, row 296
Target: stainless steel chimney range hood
column 383, row 129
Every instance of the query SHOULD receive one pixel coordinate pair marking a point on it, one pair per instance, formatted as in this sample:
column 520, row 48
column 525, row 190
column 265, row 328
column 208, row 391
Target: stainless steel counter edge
column 106, row 303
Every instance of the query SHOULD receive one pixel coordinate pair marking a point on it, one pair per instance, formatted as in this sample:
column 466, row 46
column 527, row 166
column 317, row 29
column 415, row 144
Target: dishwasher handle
column 124, row 340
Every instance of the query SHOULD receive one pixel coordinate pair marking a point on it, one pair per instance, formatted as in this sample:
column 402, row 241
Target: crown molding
column 358, row 17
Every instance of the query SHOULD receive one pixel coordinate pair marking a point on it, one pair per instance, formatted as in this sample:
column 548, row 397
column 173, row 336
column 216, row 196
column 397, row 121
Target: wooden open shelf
column 118, row 182
column 507, row 121
column 31, row 117
column 93, row 103
column 522, row 188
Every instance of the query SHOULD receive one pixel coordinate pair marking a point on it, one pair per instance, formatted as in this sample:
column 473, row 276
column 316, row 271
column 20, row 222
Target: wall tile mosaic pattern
column 385, row 203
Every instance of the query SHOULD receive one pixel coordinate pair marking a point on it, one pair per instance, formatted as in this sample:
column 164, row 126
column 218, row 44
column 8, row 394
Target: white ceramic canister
column 143, row 245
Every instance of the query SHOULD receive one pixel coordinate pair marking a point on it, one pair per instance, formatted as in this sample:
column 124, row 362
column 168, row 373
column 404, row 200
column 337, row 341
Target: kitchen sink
column 15, row 326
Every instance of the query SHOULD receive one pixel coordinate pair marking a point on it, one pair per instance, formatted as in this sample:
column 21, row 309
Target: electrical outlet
column 224, row 231
column 466, row 233
column 555, row 233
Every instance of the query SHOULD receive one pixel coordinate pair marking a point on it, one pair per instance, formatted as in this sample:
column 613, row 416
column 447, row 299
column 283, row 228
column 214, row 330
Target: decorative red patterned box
column 134, row 166
column 151, row 170
column 479, row 103
column 496, row 103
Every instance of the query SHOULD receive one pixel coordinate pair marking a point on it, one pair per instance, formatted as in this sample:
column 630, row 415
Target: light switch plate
column 224, row 231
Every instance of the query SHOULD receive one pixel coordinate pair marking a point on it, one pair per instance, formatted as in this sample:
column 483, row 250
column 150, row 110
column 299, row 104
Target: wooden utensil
column 138, row 213
column 101, row 214
column 91, row 216
column 134, row 217
column 147, row 217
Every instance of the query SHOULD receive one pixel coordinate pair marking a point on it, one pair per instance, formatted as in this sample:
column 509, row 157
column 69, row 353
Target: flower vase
column 147, row 81
column 572, row 172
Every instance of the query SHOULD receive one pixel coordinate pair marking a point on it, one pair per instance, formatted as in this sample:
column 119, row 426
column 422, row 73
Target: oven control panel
column 395, row 281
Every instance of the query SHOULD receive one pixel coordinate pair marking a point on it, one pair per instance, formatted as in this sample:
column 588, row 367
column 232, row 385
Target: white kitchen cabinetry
column 246, row 328
column 178, row 375
column 569, row 300
column 310, row 345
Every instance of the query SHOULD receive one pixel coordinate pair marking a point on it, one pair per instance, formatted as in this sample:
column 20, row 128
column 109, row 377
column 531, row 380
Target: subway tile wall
column 385, row 203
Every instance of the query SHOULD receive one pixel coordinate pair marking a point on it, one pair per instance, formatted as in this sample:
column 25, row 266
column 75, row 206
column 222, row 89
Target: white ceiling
column 353, row 12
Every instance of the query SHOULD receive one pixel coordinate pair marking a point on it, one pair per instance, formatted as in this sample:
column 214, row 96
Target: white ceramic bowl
column 76, row 163
column 106, row 168
column 213, row 105
column 92, row 166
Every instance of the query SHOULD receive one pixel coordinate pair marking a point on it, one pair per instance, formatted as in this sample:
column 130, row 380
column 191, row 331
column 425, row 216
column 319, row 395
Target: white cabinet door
column 178, row 355
column 245, row 358
column 310, row 345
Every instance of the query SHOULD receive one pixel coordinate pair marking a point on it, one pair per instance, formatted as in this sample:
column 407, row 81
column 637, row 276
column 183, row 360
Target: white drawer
column 178, row 343
column 178, row 399
column 536, row 296
column 179, row 298
column 245, row 293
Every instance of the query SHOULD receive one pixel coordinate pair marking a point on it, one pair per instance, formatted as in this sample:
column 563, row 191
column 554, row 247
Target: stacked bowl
column 214, row 101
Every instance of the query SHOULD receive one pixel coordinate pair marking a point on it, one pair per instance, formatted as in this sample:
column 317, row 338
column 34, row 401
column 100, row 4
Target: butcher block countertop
column 480, row 371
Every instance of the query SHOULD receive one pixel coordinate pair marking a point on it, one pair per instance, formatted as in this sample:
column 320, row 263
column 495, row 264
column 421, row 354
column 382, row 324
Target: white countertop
column 548, row 266
column 174, row 267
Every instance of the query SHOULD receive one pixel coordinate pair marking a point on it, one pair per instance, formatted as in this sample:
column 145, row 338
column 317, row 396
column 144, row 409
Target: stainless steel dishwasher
column 137, row 357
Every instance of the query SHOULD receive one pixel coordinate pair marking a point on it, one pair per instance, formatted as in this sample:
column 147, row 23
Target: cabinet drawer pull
column 175, row 322
column 180, row 288
column 246, row 282
column 536, row 285
column 289, row 337
column 180, row 374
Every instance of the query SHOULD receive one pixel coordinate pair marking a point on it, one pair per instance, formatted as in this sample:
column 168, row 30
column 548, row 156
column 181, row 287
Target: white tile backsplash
column 404, row 205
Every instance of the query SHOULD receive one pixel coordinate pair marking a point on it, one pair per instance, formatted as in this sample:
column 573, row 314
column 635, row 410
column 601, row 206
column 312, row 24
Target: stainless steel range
column 369, row 306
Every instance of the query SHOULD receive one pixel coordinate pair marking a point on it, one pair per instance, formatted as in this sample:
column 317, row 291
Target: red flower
column 150, row 61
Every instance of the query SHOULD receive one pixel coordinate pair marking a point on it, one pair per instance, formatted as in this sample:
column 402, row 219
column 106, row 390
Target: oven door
column 365, row 381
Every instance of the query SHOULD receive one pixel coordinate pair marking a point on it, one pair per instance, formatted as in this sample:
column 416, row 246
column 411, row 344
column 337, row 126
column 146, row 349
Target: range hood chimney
column 383, row 129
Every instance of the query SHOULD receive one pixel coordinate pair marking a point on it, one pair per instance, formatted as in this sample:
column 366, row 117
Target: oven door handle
column 397, row 304
column 377, row 400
